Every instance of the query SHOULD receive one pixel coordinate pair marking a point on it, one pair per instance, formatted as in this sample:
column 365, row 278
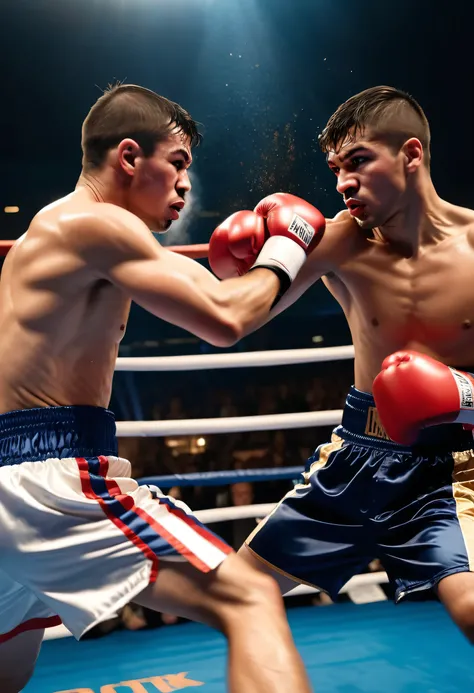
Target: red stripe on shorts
column 127, row 502
column 129, row 533
column 31, row 624
column 195, row 524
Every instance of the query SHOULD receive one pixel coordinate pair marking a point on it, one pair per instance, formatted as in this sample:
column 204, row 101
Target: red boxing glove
column 294, row 227
column 414, row 391
column 235, row 244
column 278, row 235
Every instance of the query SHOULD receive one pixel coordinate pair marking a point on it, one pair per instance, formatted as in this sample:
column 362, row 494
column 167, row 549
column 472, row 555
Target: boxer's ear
column 413, row 150
column 128, row 151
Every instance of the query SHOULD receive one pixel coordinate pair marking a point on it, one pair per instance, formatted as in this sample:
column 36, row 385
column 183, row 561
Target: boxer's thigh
column 316, row 535
column 431, row 536
column 99, row 538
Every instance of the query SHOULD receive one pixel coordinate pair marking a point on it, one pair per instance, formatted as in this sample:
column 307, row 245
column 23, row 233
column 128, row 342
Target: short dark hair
column 127, row 110
column 392, row 116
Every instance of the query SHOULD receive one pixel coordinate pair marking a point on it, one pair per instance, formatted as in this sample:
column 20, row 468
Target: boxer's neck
column 421, row 221
column 104, row 186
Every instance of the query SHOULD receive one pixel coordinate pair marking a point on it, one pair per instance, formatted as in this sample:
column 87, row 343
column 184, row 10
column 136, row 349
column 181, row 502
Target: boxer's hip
column 35, row 435
column 361, row 425
column 362, row 468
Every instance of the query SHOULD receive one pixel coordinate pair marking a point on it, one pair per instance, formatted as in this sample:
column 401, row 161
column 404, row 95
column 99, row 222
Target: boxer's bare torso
column 60, row 324
column 394, row 300
column 65, row 294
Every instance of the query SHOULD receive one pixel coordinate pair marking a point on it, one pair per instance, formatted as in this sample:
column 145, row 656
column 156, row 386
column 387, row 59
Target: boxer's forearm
column 246, row 301
column 222, row 312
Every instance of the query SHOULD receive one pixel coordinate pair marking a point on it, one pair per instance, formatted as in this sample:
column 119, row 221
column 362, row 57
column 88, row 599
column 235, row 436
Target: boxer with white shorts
column 78, row 537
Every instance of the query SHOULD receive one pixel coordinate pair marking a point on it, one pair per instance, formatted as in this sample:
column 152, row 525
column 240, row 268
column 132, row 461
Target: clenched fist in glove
column 279, row 234
column 413, row 391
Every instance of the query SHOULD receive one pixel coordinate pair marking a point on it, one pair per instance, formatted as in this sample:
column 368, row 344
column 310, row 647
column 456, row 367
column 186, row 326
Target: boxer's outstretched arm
column 120, row 248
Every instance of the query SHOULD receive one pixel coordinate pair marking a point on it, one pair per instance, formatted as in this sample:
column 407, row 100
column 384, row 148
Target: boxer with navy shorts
column 397, row 480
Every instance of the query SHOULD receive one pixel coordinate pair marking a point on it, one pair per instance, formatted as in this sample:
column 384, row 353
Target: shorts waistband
column 42, row 433
column 361, row 424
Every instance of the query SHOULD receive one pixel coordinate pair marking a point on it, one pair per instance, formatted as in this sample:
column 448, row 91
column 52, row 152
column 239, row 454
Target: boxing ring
column 365, row 644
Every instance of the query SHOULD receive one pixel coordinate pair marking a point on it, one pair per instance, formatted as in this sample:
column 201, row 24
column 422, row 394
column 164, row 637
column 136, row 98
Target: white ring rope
column 198, row 362
column 238, row 512
column 229, row 424
column 237, row 424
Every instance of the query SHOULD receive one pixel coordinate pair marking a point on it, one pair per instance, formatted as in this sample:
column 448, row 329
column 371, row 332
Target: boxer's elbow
column 226, row 331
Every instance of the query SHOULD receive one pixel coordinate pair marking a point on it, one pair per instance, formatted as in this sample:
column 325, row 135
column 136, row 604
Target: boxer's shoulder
column 76, row 212
column 102, row 217
column 86, row 234
column 344, row 228
column 342, row 218
column 463, row 216
column 102, row 226
column 343, row 238
column 466, row 223
column 460, row 222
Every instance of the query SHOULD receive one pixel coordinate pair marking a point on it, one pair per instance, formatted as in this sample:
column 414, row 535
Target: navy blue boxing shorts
column 363, row 496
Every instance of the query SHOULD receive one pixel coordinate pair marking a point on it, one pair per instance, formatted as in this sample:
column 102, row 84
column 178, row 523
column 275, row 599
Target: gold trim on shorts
column 324, row 452
column 283, row 572
column 463, row 492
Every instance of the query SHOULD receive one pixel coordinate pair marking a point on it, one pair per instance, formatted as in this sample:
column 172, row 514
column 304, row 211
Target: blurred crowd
column 315, row 388
column 241, row 393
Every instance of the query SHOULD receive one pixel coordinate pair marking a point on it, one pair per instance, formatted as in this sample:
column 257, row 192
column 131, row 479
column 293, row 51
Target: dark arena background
column 261, row 77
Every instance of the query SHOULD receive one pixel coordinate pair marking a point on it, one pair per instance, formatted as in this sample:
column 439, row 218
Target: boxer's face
column 160, row 182
column 372, row 179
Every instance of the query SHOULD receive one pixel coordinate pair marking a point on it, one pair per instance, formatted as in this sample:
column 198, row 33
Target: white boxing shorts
column 79, row 538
